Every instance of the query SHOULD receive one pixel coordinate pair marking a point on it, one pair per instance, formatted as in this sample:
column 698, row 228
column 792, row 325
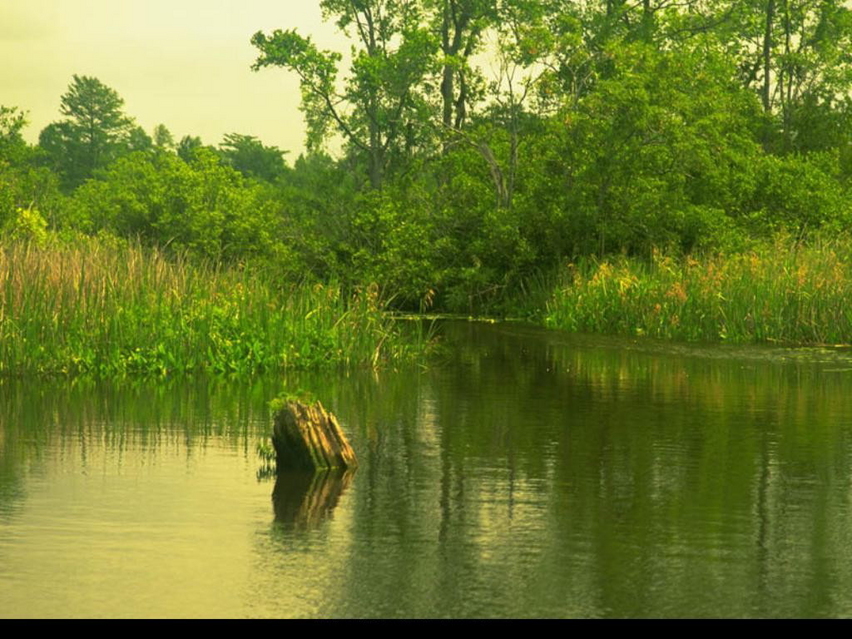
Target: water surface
column 525, row 474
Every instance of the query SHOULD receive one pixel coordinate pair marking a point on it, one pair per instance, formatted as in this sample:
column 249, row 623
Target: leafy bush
column 203, row 207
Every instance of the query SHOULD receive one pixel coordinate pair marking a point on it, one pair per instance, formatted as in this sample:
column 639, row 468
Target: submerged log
column 308, row 437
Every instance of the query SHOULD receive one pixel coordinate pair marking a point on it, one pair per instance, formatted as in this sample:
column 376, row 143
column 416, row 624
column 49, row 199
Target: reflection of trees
column 11, row 484
column 604, row 480
column 41, row 420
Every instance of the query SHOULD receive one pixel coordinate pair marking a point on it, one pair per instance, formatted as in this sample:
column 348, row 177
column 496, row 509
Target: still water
column 524, row 474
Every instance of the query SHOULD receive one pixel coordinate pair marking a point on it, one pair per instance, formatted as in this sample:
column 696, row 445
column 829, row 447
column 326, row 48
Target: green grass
column 780, row 292
column 112, row 309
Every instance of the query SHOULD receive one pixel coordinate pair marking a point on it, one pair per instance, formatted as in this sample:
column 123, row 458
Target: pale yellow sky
column 183, row 63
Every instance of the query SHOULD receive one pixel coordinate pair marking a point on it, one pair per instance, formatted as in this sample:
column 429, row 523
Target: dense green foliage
column 202, row 206
column 484, row 145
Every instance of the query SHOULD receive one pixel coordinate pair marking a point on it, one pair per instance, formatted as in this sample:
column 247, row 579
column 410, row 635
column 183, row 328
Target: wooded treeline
column 484, row 144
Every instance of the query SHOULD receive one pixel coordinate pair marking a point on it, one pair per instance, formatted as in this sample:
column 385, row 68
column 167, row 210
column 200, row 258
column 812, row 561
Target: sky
column 182, row 63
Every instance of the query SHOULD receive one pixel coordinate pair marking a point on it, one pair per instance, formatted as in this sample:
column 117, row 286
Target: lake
column 524, row 473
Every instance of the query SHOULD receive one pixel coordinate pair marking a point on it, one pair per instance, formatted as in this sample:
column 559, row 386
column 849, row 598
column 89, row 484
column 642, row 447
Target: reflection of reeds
column 306, row 499
column 112, row 309
column 779, row 292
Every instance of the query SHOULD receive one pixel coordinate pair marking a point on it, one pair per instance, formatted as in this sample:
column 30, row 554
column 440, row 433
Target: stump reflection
column 307, row 499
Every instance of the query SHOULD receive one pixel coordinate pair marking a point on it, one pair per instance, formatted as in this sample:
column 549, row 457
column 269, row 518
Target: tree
column 533, row 39
column 24, row 186
column 138, row 140
column 795, row 55
column 163, row 138
column 460, row 25
column 12, row 150
column 249, row 156
column 380, row 110
column 94, row 132
column 188, row 147
column 12, row 122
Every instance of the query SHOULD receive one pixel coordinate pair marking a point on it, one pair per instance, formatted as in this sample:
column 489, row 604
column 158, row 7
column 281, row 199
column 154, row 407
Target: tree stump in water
column 308, row 437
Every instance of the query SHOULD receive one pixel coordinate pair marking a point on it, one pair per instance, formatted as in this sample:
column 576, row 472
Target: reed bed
column 113, row 309
column 782, row 291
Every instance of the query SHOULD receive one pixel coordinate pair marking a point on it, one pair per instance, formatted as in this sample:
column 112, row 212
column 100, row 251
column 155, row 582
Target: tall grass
column 114, row 309
column 779, row 292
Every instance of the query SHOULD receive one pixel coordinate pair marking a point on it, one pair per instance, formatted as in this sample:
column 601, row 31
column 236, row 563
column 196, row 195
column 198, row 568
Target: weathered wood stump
column 308, row 437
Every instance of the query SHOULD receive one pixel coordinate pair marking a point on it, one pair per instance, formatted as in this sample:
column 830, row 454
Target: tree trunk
column 376, row 169
column 767, row 55
column 647, row 21
column 447, row 88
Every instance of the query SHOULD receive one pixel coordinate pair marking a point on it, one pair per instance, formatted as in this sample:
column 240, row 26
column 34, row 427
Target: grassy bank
column 113, row 309
column 779, row 292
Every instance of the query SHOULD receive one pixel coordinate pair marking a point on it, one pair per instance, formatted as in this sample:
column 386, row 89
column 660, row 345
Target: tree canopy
column 93, row 133
column 379, row 109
